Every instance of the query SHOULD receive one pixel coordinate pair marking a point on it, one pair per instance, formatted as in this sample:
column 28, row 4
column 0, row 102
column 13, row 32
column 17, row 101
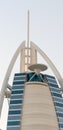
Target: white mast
column 28, row 29
column 28, row 42
column 25, row 51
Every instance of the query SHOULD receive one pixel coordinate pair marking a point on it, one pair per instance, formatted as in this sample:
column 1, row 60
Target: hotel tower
column 36, row 101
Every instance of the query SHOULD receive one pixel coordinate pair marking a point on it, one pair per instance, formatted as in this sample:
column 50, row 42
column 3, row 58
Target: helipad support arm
column 5, row 82
column 49, row 62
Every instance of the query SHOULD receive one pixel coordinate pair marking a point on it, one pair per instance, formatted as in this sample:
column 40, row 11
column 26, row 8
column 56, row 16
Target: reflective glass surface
column 61, row 125
column 16, row 96
column 58, row 104
column 18, row 82
column 15, row 106
column 17, row 92
column 15, row 112
column 19, row 78
column 14, row 118
column 20, row 74
column 49, row 76
column 59, row 109
column 55, row 90
column 60, row 100
column 16, row 101
column 60, row 119
column 60, row 114
column 56, row 94
column 52, row 80
column 18, row 87
column 53, row 85
column 13, row 128
column 13, row 123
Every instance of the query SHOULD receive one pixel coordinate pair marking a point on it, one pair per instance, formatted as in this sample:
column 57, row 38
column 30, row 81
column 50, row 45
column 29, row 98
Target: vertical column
column 33, row 55
column 27, row 59
column 22, row 60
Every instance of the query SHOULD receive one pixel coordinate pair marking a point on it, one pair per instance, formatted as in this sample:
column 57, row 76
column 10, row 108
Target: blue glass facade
column 16, row 101
column 57, row 99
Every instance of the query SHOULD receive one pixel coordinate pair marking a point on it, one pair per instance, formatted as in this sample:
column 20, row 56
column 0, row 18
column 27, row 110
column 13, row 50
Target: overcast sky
column 46, row 30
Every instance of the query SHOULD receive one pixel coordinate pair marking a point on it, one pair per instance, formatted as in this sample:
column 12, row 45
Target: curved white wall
column 38, row 108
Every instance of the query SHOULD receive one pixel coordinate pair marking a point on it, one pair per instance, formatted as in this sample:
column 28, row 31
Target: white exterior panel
column 38, row 108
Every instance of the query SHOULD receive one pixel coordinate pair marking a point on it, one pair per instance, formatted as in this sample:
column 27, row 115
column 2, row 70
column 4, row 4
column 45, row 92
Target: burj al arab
column 36, row 101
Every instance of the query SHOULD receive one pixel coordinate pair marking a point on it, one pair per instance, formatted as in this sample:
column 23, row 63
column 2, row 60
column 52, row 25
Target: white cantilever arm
column 5, row 82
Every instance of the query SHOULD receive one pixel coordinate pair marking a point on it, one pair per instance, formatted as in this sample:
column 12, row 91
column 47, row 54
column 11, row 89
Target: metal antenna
column 28, row 31
column 28, row 43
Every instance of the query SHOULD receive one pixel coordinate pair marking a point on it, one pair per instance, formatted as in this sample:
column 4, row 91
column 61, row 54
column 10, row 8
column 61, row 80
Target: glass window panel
column 53, row 85
column 52, row 80
column 56, row 94
column 49, row 76
column 61, row 125
column 55, row 90
column 36, row 78
column 13, row 128
column 60, row 119
column 58, row 104
column 16, row 101
column 16, row 96
column 18, row 87
column 15, row 107
column 15, row 112
column 14, row 117
column 59, row 109
column 60, row 114
column 17, row 92
column 19, row 78
column 18, row 82
column 20, row 74
column 60, row 100
column 29, row 75
column 11, row 123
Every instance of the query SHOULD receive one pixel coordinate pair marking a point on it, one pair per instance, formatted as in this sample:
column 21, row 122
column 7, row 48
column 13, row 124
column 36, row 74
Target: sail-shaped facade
column 36, row 100
column 36, row 103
